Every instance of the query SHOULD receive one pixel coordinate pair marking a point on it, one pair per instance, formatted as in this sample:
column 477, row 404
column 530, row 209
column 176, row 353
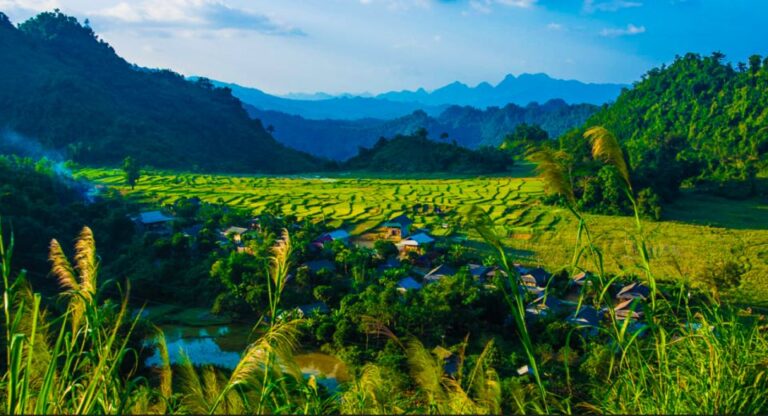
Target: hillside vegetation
column 418, row 154
column 61, row 85
column 468, row 126
column 698, row 119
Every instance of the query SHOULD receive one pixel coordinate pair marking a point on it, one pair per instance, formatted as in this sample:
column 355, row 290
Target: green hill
column 716, row 115
column 418, row 154
column 62, row 86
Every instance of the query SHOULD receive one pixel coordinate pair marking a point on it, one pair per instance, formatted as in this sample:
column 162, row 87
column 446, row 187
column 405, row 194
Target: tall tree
column 132, row 171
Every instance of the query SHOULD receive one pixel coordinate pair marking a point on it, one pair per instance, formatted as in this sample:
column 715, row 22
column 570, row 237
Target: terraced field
column 692, row 246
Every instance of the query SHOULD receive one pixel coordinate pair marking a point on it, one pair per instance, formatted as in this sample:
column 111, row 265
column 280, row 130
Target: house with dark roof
column 438, row 273
column 408, row 283
column 629, row 309
column 634, row 290
column 397, row 228
column 544, row 305
column 330, row 237
column 153, row 221
column 478, row 271
column 585, row 316
column 415, row 243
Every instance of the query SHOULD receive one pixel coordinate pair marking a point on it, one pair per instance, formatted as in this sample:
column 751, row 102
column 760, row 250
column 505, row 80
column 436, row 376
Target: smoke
column 12, row 142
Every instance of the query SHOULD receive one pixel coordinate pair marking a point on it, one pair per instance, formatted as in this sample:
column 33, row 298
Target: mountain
column 468, row 126
column 65, row 89
column 700, row 114
column 320, row 107
column 521, row 90
column 416, row 153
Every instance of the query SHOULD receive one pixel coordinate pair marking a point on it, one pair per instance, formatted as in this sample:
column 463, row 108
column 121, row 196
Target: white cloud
column 191, row 16
column 32, row 5
column 518, row 3
column 399, row 5
column 486, row 6
column 630, row 30
column 555, row 26
column 591, row 6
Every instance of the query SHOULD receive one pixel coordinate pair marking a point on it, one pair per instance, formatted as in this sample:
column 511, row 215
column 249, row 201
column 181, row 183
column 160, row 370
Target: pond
column 222, row 344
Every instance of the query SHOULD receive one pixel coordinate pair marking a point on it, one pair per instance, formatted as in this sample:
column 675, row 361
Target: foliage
column 132, row 171
column 417, row 153
column 523, row 138
column 698, row 119
column 67, row 89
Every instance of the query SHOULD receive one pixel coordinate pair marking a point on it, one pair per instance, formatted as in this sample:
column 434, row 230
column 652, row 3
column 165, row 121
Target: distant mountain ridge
column 313, row 106
column 521, row 90
column 467, row 126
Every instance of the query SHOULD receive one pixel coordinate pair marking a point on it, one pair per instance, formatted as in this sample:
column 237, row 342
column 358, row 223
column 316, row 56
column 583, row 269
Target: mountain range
column 521, row 90
column 466, row 126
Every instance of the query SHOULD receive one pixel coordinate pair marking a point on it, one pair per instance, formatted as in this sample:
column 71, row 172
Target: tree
column 132, row 171
column 524, row 137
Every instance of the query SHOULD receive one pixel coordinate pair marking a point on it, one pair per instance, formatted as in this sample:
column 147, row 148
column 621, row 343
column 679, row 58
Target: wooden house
column 397, row 228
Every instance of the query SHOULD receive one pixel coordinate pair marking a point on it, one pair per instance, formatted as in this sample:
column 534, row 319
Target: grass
column 700, row 233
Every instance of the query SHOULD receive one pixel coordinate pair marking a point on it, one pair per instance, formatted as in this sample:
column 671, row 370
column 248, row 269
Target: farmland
column 690, row 244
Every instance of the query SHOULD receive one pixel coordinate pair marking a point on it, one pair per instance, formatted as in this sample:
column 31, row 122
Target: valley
column 686, row 246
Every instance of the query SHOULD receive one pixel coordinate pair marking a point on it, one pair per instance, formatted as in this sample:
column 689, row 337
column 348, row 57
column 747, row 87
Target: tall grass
column 700, row 358
column 74, row 364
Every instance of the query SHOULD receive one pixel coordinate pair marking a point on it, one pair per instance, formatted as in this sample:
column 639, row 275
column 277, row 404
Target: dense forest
column 417, row 153
column 468, row 126
column 62, row 86
column 698, row 123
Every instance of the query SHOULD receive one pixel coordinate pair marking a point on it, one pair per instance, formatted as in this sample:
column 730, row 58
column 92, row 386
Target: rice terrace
column 685, row 247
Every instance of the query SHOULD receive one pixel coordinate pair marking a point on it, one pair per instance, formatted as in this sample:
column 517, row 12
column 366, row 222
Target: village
column 416, row 259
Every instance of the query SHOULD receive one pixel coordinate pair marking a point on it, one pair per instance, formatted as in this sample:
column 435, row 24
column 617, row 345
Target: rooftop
column 153, row 217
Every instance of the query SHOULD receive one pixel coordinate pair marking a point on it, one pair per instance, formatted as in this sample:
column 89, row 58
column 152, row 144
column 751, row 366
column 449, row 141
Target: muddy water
column 222, row 345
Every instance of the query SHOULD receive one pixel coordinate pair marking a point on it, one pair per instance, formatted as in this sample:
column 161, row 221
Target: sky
column 357, row 46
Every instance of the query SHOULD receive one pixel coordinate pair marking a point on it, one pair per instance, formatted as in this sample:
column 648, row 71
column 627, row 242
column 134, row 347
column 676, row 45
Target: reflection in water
column 222, row 345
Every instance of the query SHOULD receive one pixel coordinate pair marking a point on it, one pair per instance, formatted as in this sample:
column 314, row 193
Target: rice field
column 693, row 242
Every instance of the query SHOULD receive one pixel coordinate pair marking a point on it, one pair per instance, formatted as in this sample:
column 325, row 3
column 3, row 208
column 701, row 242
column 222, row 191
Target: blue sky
column 356, row 46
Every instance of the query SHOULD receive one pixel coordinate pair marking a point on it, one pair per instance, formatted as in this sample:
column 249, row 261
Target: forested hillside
column 467, row 126
column 416, row 153
column 62, row 86
column 699, row 118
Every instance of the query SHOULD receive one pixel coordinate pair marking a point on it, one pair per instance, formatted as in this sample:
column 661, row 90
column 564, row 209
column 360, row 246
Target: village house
column 397, row 228
column 628, row 309
column 235, row 233
column 389, row 263
column 330, row 237
column 417, row 243
column 634, row 291
column 535, row 278
column 153, row 221
column 408, row 283
column 439, row 273
column 478, row 271
column 544, row 305
column 585, row 316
